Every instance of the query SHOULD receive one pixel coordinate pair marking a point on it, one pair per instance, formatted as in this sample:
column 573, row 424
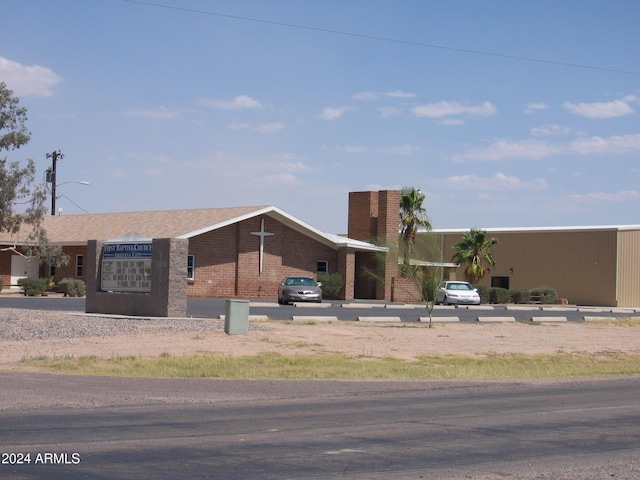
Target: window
column 500, row 282
column 191, row 266
column 323, row 266
column 52, row 267
column 79, row 264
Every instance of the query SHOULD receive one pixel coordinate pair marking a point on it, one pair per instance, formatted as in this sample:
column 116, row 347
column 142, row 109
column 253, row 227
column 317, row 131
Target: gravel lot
column 34, row 333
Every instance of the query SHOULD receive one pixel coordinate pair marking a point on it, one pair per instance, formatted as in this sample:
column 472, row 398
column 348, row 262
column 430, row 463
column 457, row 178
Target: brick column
column 363, row 215
column 347, row 268
column 388, row 229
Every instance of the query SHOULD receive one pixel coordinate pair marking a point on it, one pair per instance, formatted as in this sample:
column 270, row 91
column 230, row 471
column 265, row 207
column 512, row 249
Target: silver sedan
column 299, row 289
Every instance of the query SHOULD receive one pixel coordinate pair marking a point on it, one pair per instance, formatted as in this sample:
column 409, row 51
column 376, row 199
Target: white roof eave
column 334, row 241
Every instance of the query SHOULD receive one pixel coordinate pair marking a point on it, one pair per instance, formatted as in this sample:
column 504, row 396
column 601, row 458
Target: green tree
column 22, row 202
column 473, row 251
column 413, row 217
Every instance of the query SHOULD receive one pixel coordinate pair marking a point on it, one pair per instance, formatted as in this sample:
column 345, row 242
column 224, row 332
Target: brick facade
column 227, row 260
column 375, row 216
column 227, row 257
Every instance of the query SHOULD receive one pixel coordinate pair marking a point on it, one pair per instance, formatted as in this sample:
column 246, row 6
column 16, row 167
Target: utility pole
column 51, row 177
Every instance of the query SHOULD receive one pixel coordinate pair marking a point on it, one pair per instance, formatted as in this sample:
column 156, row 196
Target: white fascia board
column 225, row 223
column 541, row 229
column 424, row 263
column 296, row 224
column 334, row 241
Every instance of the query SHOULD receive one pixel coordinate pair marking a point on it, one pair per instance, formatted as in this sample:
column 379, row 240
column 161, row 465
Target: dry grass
column 277, row 366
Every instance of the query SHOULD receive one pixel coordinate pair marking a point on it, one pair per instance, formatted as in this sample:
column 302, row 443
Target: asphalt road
column 212, row 308
column 119, row 428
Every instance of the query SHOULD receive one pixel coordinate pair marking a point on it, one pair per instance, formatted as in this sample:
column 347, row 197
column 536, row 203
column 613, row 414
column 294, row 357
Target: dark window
column 323, row 266
column 500, row 282
column 191, row 266
column 79, row 262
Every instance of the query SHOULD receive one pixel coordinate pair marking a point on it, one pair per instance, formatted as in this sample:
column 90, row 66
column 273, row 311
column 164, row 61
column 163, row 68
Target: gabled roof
column 78, row 229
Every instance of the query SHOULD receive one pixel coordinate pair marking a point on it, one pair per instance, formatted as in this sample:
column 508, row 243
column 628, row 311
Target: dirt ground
column 404, row 341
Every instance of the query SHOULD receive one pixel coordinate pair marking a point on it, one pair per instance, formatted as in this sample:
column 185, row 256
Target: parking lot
column 357, row 310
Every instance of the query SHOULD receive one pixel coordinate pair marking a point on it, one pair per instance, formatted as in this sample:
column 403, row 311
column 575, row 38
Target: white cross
column 262, row 234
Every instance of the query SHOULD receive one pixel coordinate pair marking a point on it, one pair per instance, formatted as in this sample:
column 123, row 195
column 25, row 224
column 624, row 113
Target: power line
column 385, row 39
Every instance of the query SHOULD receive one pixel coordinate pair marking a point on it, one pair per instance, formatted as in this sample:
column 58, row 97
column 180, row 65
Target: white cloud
column 353, row 149
column 160, row 113
column 27, row 80
column 262, row 128
column 270, row 127
column 531, row 108
column 504, row 149
column 330, row 113
column 239, row 102
column 296, row 167
column 154, row 172
column 615, row 108
column 366, row 96
column 285, row 169
column 614, row 144
column 497, row 182
column 445, row 109
column 282, row 179
column 400, row 94
column 599, row 197
column 402, row 150
column 550, row 131
column 389, row 111
column 375, row 95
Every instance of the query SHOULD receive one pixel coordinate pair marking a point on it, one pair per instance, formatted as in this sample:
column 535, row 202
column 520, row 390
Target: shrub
column 332, row 284
column 499, row 295
column 50, row 284
column 547, row 295
column 33, row 287
column 73, row 287
column 484, row 293
column 520, row 296
column 1, row 283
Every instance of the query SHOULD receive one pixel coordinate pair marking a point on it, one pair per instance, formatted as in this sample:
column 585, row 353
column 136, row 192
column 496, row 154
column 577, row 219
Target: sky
column 505, row 113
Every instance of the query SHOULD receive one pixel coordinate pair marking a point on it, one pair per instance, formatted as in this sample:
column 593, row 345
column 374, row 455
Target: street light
column 51, row 178
column 53, row 193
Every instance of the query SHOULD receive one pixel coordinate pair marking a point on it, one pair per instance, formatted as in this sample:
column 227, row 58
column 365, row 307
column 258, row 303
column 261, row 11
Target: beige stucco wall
column 628, row 268
column 579, row 264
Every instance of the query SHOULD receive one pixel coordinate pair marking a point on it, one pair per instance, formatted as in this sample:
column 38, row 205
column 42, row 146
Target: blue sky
column 505, row 113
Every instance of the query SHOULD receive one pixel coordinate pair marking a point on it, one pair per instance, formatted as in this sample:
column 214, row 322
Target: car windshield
column 459, row 286
column 304, row 281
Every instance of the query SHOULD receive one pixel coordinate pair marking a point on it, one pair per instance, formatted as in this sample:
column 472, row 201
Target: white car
column 457, row 293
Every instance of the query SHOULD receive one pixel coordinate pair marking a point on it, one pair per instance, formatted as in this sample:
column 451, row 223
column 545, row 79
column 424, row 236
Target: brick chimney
column 376, row 216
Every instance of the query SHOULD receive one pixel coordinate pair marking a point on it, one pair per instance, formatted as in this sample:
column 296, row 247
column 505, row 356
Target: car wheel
column 445, row 301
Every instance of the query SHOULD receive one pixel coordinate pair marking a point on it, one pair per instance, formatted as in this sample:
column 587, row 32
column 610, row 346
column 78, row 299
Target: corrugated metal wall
column 629, row 268
column 580, row 265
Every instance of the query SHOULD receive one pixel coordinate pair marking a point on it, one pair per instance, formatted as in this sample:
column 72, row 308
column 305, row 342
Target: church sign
column 126, row 266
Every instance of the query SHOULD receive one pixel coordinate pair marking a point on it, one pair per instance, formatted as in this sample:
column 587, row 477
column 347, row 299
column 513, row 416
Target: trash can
column 236, row 319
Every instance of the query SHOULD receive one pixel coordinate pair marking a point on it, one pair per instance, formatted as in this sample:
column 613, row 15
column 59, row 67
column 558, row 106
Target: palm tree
column 413, row 217
column 473, row 251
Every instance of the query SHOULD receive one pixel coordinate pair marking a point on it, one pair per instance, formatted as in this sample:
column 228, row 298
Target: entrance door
column 23, row 267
